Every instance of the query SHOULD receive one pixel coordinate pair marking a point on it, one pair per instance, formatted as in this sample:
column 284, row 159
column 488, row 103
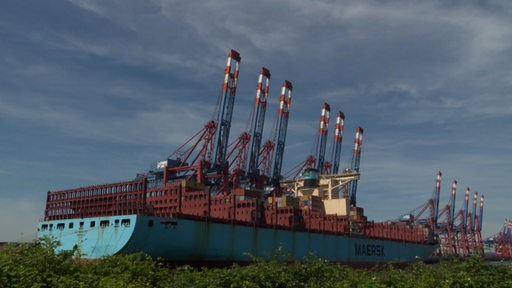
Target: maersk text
column 369, row 250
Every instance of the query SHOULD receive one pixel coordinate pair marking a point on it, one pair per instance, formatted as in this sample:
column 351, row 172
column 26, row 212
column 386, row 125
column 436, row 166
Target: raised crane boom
column 481, row 214
column 338, row 138
column 322, row 140
column 282, row 125
column 473, row 215
column 258, row 120
column 452, row 203
column 465, row 216
column 225, row 112
column 356, row 157
column 437, row 195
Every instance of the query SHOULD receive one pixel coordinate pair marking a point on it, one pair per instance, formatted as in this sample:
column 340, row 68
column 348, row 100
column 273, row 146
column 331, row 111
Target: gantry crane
column 503, row 240
column 446, row 231
column 478, row 229
column 437, row 195
column 315, row 165
column 192, row 160
column 459, row 233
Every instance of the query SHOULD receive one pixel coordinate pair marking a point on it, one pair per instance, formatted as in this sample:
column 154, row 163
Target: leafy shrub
column 40, row 266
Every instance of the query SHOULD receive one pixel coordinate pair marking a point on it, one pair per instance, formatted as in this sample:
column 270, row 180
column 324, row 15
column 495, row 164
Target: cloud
column 170, row 122
column 89, row 6
column 439, row 45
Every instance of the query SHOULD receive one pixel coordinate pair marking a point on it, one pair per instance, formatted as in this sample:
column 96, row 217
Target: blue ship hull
column 188, row 240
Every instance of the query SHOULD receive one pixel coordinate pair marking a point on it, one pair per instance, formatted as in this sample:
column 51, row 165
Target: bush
column 39, row 266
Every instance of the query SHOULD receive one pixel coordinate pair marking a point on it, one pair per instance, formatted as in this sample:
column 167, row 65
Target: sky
column 93, row 92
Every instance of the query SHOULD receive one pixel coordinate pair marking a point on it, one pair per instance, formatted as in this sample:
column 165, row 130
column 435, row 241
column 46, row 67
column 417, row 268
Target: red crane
column 463, row 241
column 236, row 158
column 416, row 215
column 503, row 240
column 478, row 230
column 315, row 165
column 299, row 169
column 473, row 235
column 437, row 195
column 188, row 161
column 446, row 231
column 456, row 235
column 192, row 159
column 468, row 229
column 452, row 203
column 471, row 229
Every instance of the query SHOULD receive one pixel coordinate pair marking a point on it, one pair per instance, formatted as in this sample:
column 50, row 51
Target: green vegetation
column 39, row 266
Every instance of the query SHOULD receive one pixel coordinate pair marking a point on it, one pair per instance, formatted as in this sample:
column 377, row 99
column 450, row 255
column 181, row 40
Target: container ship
column 214, row 202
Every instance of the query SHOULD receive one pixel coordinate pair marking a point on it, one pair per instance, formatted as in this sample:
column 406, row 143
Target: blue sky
column 93, row 92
